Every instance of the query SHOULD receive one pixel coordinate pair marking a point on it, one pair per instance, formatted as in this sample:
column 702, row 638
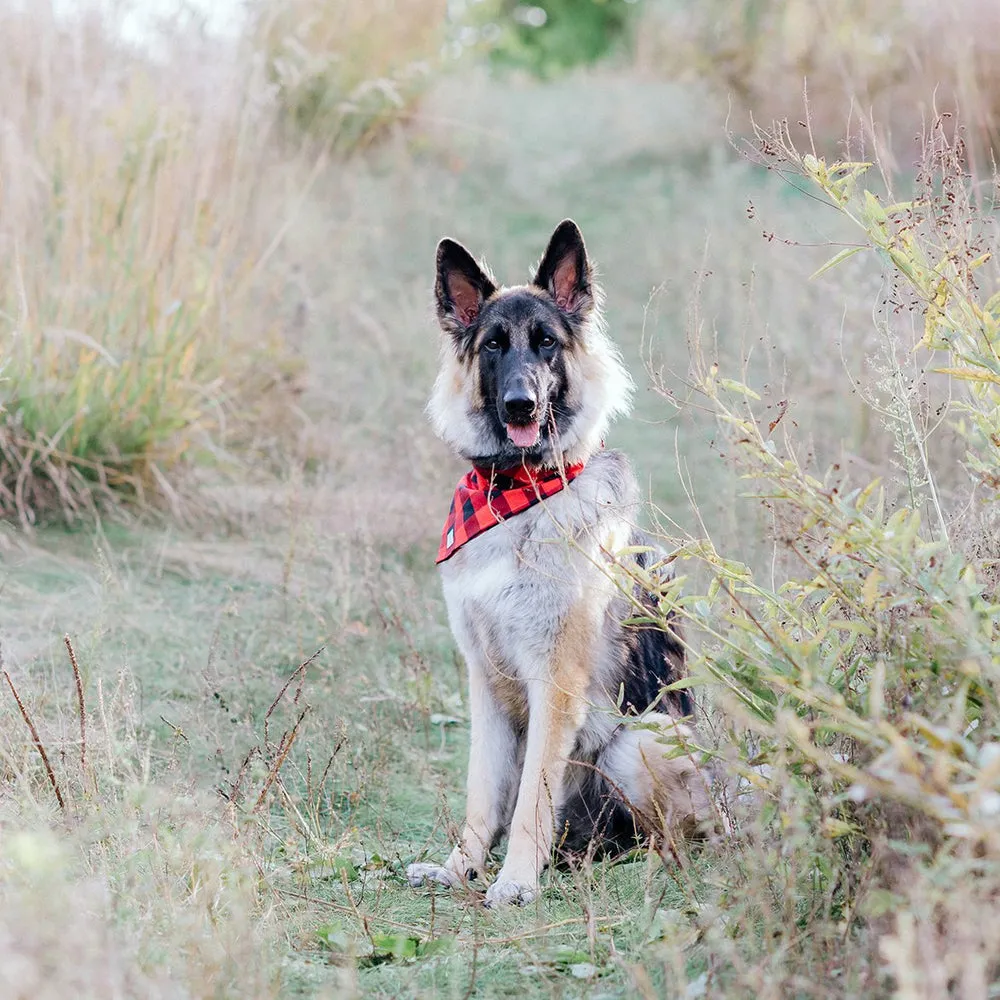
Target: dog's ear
column 565, row 271
column 461, row 288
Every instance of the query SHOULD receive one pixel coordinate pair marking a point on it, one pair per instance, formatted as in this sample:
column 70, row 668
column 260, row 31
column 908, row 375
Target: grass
column 139, row 317
column 878, row 72
column 345, row 71
column 240, row 822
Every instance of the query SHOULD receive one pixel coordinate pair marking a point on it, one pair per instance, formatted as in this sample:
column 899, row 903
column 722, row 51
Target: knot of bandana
column 485, row 497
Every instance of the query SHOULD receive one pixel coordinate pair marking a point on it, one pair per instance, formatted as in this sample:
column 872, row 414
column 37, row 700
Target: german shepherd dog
column 557, row 682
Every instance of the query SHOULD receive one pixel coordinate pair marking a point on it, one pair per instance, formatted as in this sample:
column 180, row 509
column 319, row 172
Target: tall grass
column 894, row 63
column 344, row 70
column 133, row 292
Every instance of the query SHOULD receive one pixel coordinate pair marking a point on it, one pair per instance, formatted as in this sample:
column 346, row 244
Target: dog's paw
column 421, row 874
column 504, row 891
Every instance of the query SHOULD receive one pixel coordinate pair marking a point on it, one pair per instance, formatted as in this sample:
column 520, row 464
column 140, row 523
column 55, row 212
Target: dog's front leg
column 492, row 772
column 555, row 717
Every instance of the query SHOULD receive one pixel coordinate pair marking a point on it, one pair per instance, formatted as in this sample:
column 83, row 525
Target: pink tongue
column 525, row 435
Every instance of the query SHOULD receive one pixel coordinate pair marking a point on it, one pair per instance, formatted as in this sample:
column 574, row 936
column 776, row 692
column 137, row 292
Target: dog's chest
column 510, row 589
column 505, row 592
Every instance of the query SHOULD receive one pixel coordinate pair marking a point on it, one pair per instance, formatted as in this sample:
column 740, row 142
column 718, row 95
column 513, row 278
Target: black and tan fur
column 568, row 712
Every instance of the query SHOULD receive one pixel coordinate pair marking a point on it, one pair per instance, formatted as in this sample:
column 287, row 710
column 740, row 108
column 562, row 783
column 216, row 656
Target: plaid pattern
column 485, row 497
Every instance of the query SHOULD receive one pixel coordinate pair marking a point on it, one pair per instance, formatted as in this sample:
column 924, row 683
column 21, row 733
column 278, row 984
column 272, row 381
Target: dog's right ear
column 461, row 288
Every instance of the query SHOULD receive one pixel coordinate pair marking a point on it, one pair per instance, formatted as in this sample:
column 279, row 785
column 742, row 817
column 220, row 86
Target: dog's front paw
column 506, row 890
column 422, row 873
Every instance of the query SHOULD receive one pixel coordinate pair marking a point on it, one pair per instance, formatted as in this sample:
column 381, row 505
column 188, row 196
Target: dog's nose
column 519, row 403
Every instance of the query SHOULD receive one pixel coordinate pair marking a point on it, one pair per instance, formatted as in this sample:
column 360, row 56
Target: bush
column 130, row 301
column 861, row 670
column 555, row 35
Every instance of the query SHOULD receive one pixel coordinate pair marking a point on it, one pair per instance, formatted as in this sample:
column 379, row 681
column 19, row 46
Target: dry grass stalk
column 283, row 750
column 81, row 705
column 299, row 672
column 39, row 746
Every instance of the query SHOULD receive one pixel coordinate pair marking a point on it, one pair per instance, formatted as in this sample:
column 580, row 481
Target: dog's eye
column 547, row 341
column 492, row 344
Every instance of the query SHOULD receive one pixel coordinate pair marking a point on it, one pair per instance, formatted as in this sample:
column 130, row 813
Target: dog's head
column 528, row 374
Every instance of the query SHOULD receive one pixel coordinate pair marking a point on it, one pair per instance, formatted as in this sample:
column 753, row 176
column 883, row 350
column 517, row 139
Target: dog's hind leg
column 492, row 773
column 653, row 772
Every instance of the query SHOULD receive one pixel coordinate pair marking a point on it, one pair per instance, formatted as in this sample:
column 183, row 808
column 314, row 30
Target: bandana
column 485, row 497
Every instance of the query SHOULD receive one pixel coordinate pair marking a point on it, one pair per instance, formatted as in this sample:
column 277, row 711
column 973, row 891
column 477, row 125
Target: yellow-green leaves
column 836, row 259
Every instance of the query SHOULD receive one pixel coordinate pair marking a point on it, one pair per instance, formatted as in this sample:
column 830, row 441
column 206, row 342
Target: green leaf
column 836, row 259
column 731, row 385
column 399, row 946
column 333, row 936
column 565, row 957
column 633, row 550
column 443, row 945
column 969, row 374
column 343, row 863
column 876, row 213
column 684, row 682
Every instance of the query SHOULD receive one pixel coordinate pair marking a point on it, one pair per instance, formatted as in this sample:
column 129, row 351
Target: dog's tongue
column 523, row 435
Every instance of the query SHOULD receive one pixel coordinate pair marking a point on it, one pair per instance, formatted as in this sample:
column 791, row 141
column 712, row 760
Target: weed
column 863, row 681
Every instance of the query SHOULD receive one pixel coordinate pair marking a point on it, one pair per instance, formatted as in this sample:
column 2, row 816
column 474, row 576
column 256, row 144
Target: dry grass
column 344, row 70
column 135, row 297
column 899, row 63
column 138, row 888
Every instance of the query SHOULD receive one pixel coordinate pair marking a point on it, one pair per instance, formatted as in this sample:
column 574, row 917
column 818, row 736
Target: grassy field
column 274, row 717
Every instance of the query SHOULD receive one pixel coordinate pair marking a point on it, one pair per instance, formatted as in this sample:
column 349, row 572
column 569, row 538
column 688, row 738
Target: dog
column 567, row 702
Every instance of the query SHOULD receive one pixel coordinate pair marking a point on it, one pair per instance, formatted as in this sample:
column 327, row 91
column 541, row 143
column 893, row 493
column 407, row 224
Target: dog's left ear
column 565, row 271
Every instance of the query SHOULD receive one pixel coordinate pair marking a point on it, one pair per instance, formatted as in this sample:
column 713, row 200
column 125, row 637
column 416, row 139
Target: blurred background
column 220, row 218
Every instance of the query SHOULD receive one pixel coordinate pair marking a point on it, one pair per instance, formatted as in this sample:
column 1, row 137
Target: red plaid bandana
column 485, row 497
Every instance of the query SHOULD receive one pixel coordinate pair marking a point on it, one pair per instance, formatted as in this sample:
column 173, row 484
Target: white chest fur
column 509, row 590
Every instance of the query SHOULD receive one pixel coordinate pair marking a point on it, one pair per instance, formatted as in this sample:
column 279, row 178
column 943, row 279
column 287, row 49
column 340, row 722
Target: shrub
column 130, row 300
column 861, row 668
column 555, row 35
